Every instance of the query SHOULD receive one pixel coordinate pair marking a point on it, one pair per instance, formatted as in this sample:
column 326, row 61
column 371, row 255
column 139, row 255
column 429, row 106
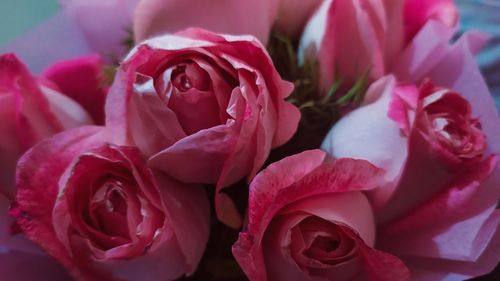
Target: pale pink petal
column 447, row 270
column 155, row 17
column 105, row 25
column 368, row 133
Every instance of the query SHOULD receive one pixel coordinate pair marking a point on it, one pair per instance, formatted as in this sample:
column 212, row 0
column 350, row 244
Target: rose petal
column 80, row 79
column 154, row 17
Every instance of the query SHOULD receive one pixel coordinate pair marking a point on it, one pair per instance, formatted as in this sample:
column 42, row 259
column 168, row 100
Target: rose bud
column 365, row 37
column 103, row 214
column 205, row 108
column 437, row 138
column 309, row 220
column 35, row 108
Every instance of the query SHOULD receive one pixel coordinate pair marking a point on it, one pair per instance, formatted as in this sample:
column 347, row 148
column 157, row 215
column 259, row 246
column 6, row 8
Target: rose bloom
column 436, row 135
column 205, row 108
column 156, row 17
column 308, row 219
column 103, row 214
column 354, row 38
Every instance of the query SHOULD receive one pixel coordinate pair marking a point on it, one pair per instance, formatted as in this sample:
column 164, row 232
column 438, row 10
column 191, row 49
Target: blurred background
column 20, row 16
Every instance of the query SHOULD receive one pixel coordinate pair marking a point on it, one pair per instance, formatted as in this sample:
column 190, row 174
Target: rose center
column 326, row 244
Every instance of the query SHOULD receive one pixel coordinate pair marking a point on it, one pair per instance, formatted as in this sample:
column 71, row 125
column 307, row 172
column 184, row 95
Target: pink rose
column 205, row 108
column 157, row 17
column 309, row 220
column 100, row 212
column 436, row 137
column 32, row 109
column 353, row 38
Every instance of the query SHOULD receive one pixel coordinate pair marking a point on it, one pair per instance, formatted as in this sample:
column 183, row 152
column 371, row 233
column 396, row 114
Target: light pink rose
column 35, row 108
column 205, row 108
column 157, row 17
column 103, row 214
column 309, row 220
column 357, row 37
column 436, row 135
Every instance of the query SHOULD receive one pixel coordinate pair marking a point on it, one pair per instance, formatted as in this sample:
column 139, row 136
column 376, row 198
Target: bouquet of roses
column 248, row 140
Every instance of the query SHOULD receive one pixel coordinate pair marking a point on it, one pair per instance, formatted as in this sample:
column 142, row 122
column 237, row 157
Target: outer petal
column 197, row 158
column 368, row 133
column 155, row 17
column 37, row 188
column 81, row 80
column 424, row 269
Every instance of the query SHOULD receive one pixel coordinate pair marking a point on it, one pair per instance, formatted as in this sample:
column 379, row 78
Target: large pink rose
column 157, row 17
column 205, row 108
column 437, row 136
column 357, row 37
column 103, row 214
column 309, row 220
column 35, row 108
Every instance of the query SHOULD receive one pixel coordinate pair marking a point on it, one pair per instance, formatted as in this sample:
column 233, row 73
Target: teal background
column 20, row 16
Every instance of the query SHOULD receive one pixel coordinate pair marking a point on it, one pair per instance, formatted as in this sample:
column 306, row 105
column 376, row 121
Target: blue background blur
column 20, row 16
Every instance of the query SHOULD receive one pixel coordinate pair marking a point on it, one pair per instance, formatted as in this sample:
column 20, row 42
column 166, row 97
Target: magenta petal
column 80, row 79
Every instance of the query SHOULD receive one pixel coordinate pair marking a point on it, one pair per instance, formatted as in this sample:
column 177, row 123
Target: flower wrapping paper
column 261, row 140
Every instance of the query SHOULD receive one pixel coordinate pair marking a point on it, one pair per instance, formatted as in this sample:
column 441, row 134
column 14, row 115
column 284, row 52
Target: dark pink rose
column 436, row 135
column 100, row 212
column 354, row 38
column 205, row 108
column 35, row 108
column 309, row 220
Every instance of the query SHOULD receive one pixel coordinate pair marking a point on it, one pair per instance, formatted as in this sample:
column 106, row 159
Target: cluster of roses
column 110, row 183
